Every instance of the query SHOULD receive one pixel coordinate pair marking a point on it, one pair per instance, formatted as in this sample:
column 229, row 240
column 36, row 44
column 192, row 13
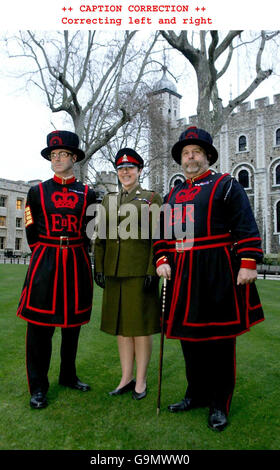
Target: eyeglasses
column 62, row 155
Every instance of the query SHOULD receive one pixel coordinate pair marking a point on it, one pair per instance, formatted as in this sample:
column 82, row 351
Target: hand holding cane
column 161, row 343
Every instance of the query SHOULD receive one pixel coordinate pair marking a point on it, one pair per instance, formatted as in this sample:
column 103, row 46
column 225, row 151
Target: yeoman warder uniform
column 58, row 287
column 205, row 308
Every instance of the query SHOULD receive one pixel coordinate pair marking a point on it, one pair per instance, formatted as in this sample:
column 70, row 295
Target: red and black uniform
column 58, row 287
column 203, row 301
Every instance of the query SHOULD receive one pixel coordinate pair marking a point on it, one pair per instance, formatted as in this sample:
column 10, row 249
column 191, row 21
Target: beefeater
column 58, row 288
column 211, row 293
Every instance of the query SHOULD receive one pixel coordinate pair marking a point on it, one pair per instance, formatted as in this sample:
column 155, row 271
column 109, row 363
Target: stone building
column 12, row 204
column 248, row 146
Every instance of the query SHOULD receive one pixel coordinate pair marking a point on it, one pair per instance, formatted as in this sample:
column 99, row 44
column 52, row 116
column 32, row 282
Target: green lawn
column 94, row 420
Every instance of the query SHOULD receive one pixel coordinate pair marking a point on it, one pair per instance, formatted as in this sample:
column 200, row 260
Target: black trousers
column 38, row 355
column 210, row 371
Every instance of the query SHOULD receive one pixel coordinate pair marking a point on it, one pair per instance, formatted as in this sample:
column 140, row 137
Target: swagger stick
column 161, row 343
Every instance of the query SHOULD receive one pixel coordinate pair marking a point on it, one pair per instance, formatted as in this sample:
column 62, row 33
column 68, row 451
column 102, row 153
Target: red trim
column 31, row 259
column 51, row 312
column 200, row 247
column 161, row 261
column 58, row 238
column 199, row 177
column 233, row 285
column 244, row 240
column 185, row 321
column 53, row 324
column 73, row 245
column 60, row 180
column 176, row 288
column 21, row 301
column 248, row 264
column 33, row 245
column 76, row 282
column 189, row 240
column 44, row 208
column 250, row 249
column 128, row 159
column 84, row 208
column 211, row 203
column 64, row 266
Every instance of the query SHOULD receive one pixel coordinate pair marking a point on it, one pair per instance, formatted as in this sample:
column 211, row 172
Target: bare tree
column 206, row 58
column 94, row 77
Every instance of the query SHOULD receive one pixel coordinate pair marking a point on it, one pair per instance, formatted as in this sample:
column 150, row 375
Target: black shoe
column 78, row 385
column 217, row 419
column 139, row 396
column 184, row 405
column 38, row 400
column 126, row 388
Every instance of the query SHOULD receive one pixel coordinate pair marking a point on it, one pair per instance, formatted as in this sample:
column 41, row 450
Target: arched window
column 278, row 217
column 242, row 143
column 277, row 174
column 243, row 178
column 277, row 135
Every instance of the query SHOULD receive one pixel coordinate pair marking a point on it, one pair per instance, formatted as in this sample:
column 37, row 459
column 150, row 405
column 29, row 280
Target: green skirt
column 128, row 310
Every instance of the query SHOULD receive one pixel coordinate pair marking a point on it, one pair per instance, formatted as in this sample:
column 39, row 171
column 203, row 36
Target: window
column 18, row 244
column 2, row 243
column 18, row 222
column 277, row 135
column 277, row 174
column 2, row 221
column 278, row 217
column 242, row 143
column 19, row 204
column 3, row 200
column 243, row 178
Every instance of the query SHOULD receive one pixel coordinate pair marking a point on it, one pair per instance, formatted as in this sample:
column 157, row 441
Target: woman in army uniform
column 124, row 268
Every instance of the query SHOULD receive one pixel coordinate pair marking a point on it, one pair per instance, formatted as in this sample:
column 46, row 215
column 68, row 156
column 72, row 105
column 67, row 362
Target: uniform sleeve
column 242, row 223
column 151, row 267
column 160, row 247
column 30, row 218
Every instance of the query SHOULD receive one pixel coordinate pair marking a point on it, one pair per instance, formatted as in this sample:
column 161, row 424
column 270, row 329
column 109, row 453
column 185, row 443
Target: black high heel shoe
column 126, row 388
column 139, row 396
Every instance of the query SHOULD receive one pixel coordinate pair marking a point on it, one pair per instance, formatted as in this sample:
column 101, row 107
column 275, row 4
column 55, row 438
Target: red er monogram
column 68, row 222
column 64, row 199
column 181, row 215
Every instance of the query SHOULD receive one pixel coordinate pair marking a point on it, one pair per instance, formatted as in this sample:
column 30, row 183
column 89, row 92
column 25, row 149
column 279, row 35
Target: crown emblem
column 64, row 199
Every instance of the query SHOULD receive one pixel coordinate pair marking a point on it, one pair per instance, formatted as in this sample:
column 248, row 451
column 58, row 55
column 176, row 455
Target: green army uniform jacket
column 133, row 256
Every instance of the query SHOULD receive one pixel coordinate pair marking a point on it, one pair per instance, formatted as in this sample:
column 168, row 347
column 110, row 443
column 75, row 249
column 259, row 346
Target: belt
column 180, row 245
column 63, row 241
